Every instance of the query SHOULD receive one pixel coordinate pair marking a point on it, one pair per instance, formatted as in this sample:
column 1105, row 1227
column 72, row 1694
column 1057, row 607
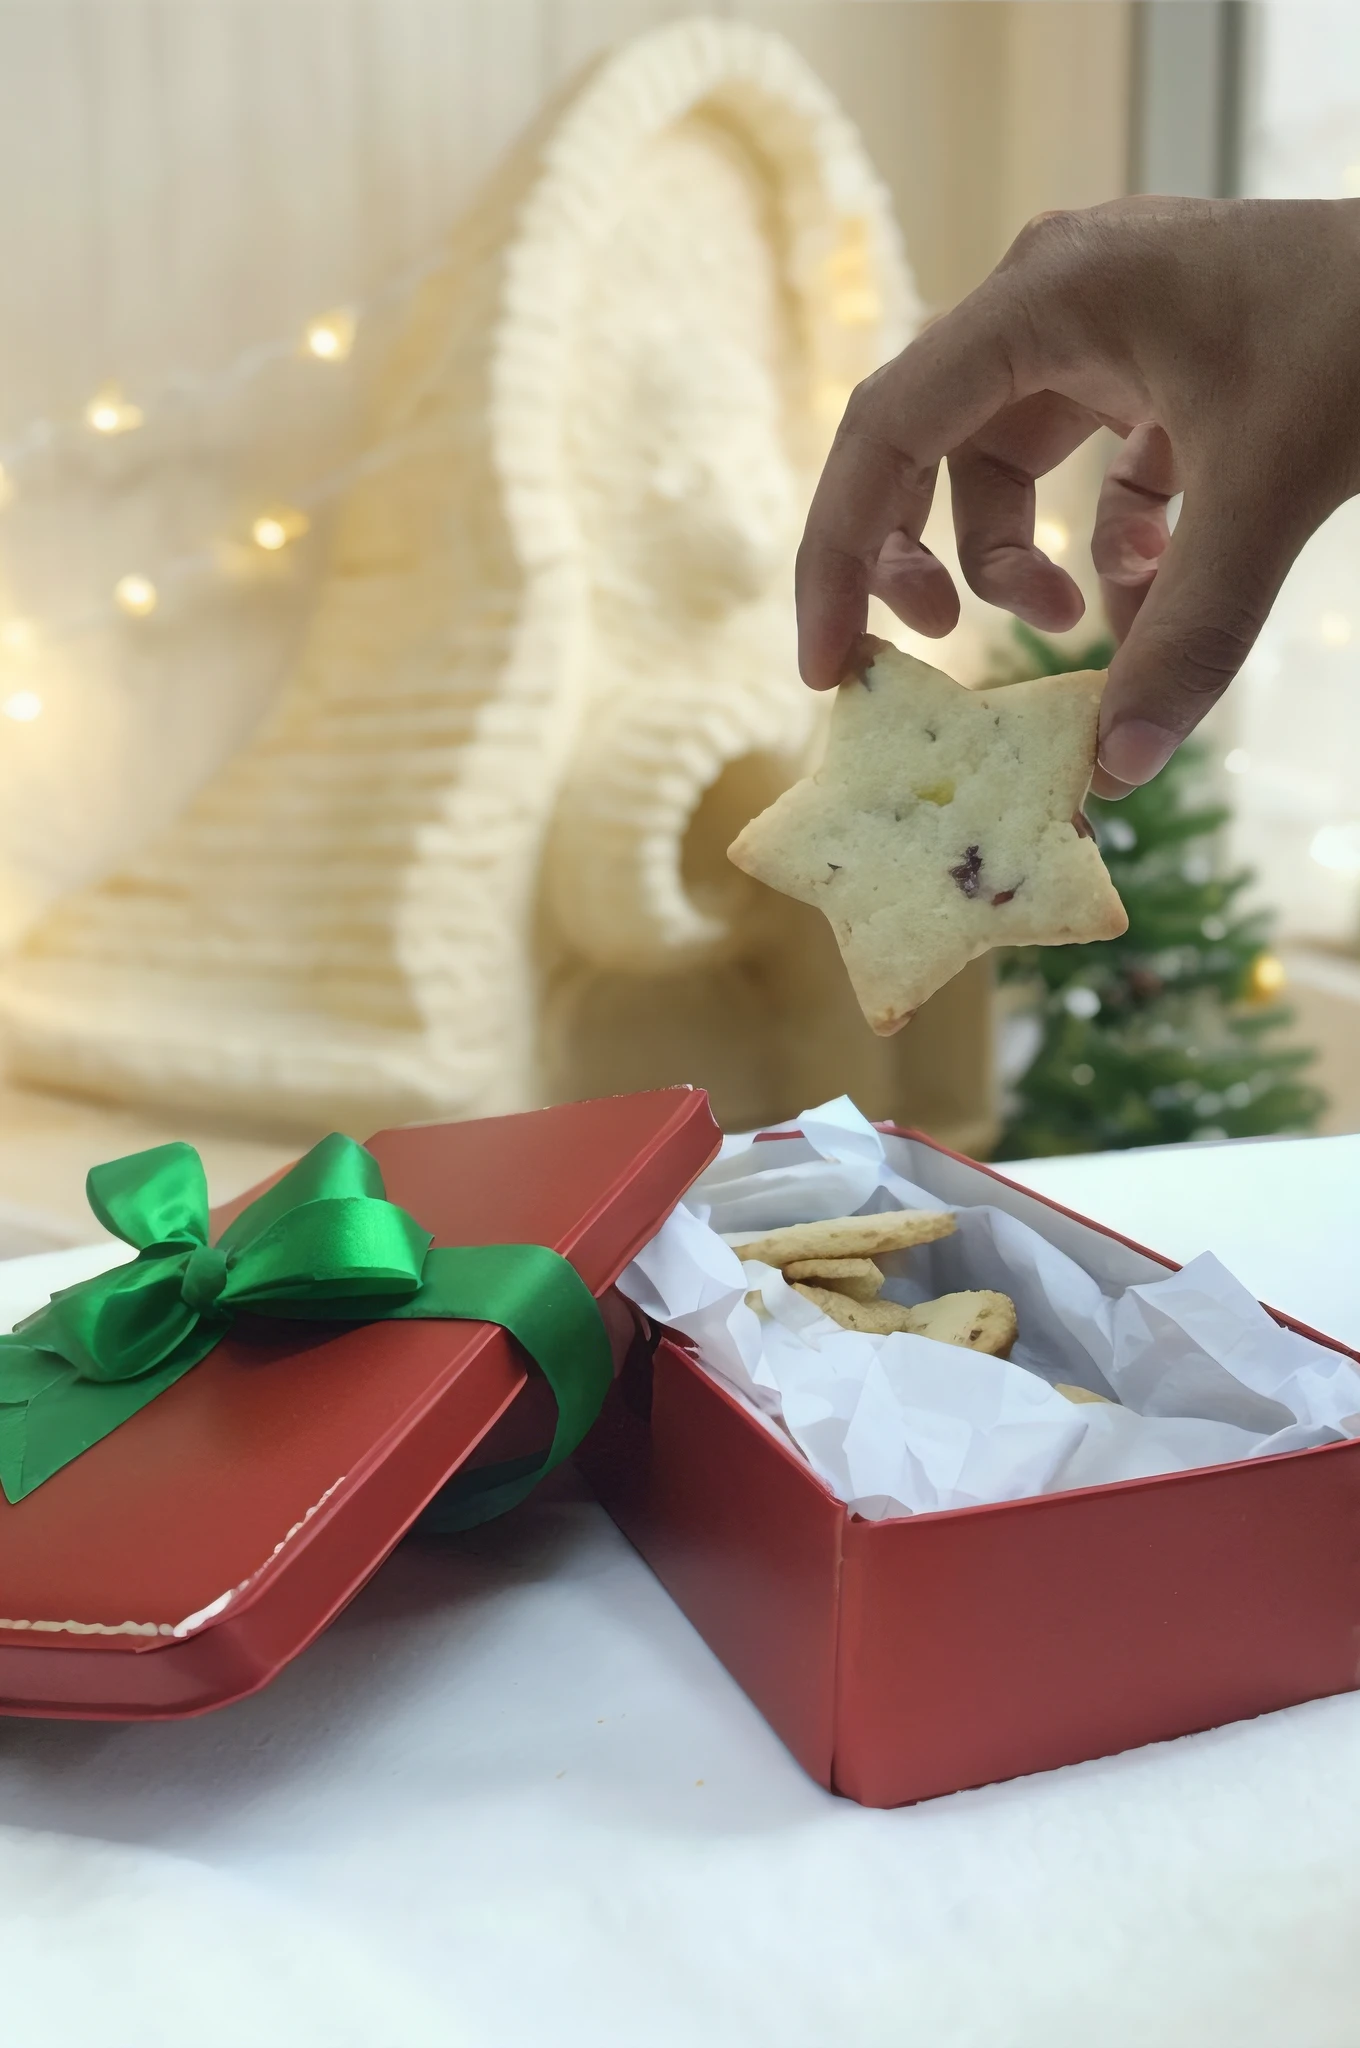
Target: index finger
column 880, row 474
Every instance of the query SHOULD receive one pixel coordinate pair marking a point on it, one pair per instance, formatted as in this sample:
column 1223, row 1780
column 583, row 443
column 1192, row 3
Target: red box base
column 903, row 1659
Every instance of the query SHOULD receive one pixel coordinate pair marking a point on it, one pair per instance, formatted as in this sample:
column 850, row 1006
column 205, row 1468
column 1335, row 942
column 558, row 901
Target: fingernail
column 1135, row 749
column 1132, row 570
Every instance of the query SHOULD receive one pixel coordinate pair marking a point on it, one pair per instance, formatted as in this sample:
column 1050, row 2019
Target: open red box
column 905, row 1658
column 184, row 1560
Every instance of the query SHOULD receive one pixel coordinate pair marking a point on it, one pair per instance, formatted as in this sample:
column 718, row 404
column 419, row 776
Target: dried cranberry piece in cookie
column 928, row 791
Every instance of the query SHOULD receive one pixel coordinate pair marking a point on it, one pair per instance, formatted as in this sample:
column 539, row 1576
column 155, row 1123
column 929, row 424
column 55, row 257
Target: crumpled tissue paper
column 1195, row 1371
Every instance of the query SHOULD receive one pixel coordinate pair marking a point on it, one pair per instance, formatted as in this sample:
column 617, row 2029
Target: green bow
column 322, row 1244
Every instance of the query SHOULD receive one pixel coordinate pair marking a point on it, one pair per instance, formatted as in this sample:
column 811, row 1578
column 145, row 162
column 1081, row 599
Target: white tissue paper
column 1195, row 1370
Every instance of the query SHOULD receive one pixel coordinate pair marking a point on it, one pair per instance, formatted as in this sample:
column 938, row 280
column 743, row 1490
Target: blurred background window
column 1296, row 718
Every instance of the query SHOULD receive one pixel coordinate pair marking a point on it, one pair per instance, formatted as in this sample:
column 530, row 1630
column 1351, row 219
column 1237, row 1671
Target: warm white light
column 108, row 412
column 1338, row 847
column 1238, row 762
column 275, row 528
column 6, row 487
column 23, row 707
column 1350, row 181
column 331, row 337
column 1334, row 629
column 135, row 595
column 1051, row 536
column 17, row 636
column 1268, row 977
column 856, row 305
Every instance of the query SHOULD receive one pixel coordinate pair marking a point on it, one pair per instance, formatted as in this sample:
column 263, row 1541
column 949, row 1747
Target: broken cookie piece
column 861, row 1279
column 943, row 822
column 980, row 1320
column 878, row 1318
column 848, row 1237
column 977, row 1321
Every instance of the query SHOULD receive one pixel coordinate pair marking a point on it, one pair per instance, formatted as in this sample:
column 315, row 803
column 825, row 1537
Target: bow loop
column 158, row 1197
column 329, row 1256
column 335, row 1170
column 119, row 1325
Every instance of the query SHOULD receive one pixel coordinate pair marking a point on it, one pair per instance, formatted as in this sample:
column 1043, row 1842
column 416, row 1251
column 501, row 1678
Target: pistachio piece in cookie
column 943, row 822
column 979, row 1320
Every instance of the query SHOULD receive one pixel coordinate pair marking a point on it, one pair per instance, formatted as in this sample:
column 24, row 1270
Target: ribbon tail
column 540, row 1298
column 471, row 1498
column 25, row 1372
column 49, row 1415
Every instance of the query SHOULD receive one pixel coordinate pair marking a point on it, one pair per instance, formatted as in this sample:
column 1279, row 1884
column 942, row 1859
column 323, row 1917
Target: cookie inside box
column 1181, row 1369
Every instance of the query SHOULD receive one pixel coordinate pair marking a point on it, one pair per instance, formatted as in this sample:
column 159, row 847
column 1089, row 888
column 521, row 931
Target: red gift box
column 925, row 1654
column 185, row 1559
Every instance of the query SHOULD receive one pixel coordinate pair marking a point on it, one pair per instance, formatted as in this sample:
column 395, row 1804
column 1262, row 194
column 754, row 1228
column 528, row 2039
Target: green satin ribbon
column 323, row 1244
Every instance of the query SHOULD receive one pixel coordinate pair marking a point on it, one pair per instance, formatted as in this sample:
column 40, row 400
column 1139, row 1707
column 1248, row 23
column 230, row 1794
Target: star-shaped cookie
column 942, row 822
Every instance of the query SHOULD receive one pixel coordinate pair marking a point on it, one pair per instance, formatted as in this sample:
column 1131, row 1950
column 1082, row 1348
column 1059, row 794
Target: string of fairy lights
column 326, row 340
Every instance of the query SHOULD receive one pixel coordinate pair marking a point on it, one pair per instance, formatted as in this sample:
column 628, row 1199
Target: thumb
column 1209, row 599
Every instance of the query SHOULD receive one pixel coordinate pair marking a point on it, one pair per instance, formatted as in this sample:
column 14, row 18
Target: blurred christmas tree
column 1161, row 1035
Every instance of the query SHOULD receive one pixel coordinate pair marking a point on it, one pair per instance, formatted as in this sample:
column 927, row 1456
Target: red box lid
column 184, row 1559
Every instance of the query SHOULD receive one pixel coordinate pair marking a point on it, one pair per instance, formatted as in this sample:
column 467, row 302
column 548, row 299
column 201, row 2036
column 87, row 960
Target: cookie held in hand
column 943, row 822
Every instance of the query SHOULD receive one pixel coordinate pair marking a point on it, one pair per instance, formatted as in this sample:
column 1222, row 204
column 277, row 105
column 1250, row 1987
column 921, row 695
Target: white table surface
column 511, row 1801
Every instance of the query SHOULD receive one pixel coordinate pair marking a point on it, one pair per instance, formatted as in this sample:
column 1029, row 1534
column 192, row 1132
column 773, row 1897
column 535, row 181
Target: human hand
column 1219, row 338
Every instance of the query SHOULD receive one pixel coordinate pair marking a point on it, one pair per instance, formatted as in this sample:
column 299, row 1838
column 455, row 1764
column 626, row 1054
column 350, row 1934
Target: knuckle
column 894, row 470
column 1046, row 235
column 985, row 565
column 1209, row 653
column 864, row 404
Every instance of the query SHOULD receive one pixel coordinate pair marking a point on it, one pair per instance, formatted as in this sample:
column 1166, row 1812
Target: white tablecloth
column 510, row 1800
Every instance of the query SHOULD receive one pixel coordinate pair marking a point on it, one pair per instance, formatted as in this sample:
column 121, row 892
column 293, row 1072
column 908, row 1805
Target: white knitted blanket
column 510, row 1800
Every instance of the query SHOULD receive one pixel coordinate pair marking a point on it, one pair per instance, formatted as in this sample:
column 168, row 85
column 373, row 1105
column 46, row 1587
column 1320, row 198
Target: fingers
column 992, row 482
column 912, row 583
column 868, row 491
column 1210, row 597
column 880, row 477
column 1131, row 533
